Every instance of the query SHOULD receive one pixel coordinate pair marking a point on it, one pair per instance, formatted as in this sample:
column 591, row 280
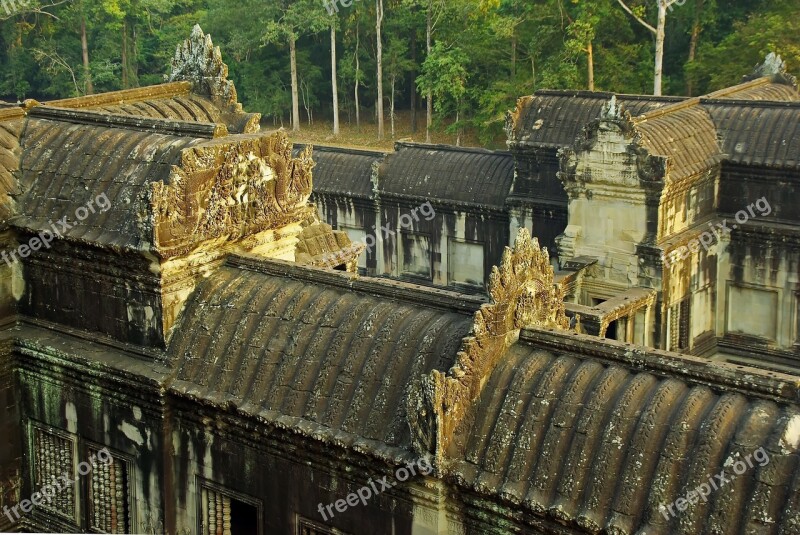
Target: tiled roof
column 316, row 350
column 340, row 171
column 448, row 174
column 66, row 165
column 601, row 445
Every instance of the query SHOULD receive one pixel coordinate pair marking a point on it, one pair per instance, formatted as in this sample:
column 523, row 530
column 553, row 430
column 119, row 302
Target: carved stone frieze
column 523, row 294
column 229, row 190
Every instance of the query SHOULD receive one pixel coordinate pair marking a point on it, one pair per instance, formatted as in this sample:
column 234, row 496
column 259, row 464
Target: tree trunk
column 334, row 82
column 429, row 96
column 391, row 110
column 514, row 55
column 458, row 126
column 590, row 60
column 660, row 33
column 133, row 76
column 295, row 96
column 693, row 44
column 124, row 55
column 413, row 84
column 379, row 104
column 87, row 73
column 358, row 112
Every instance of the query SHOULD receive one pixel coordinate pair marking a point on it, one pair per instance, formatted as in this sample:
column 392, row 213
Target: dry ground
column 321, row 133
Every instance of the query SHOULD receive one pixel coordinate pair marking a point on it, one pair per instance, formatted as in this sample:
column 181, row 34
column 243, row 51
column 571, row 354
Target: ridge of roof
column 751, row 103
column 427, row 296
column 129, row 122
column 124, row 96
column 715, row 374
column 449, row 148
column 605, row 95
column 715, row 95
column 342, row 150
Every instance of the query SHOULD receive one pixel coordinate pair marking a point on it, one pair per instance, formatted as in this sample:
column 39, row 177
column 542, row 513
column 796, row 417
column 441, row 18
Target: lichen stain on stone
column 71, row 414
column 132, row 432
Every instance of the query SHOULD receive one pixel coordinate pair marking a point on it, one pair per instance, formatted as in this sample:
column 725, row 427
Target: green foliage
column 486, row 53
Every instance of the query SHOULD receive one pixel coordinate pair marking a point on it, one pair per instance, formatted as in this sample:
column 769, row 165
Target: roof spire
column 198, row 61
column 774, row 67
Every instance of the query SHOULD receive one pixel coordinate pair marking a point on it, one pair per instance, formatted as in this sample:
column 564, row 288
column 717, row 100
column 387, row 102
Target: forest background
column 321, row 66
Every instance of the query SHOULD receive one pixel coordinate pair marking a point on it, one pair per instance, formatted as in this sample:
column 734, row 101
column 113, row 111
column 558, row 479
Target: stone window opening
column 223, row 512
column 108, row 494
column 309, row 527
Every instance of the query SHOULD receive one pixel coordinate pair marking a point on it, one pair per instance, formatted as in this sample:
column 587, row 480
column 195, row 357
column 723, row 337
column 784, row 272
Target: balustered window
column 108, row 486
column 227, row 513
column 54, row 471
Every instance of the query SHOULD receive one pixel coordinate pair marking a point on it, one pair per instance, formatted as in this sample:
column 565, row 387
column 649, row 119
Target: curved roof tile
column 686, row 136
column 556, row 118
column 65, row 166
column 307, row 353
column 600, row 446
column 10, row 129
column 445, row 173
column 341, row 171
column 758, row 134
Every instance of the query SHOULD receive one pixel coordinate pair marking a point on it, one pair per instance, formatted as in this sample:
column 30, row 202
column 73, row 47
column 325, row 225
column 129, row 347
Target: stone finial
column 614, row 111
column 198, row 61
column 773, row 66
column 523, row 294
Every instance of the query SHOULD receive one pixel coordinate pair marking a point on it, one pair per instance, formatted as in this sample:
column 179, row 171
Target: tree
column 659, row 31
column 397, row 65
column 444, row 76
column 289, row 20
column 334, row 85
column 379, row 56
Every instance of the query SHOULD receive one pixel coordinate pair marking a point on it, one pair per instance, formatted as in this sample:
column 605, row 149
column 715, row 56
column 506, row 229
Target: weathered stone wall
column 91, row 289
column 432, row 232
column 281, row 473
column 11, row 431
column 93, row 404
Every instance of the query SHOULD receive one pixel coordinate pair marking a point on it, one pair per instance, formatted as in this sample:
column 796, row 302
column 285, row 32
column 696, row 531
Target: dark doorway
column 611, row 332
column 244, row 518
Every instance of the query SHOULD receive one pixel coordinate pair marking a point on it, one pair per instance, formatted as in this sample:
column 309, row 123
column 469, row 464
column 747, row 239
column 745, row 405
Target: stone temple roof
column 340, row 171
column 592, row 436
column 316, row 350
column 180, row 163
column 554, row 119
column 67, row 165
column 10, row 129
column 416, row 171
column 445, row 173
column 601, row 445
column 763, row 134
column 175, row 100
column 684, row 134
column 754, row 123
